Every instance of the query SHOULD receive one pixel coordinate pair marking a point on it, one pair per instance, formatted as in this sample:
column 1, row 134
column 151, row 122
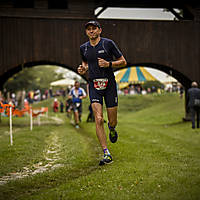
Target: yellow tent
column 133, row 75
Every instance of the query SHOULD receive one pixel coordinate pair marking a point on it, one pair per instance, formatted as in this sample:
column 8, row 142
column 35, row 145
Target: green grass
column 156, row 156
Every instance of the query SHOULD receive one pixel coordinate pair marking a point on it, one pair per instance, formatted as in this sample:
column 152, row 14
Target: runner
column 97, row 57
column 77, row 94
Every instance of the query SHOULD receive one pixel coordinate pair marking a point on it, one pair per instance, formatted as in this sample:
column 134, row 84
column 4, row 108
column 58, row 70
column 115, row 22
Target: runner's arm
column 119, row 62
column 84, row 94
column 82, row 69
column 70, row 97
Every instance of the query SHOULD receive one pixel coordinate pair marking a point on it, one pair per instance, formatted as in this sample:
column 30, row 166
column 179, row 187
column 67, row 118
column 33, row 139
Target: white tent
column 161, row 76
column 168, row 80
column 63, row 82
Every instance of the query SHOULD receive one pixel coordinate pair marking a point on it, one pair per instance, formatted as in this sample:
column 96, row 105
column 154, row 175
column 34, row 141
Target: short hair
column 77, row 82
column 194, row 84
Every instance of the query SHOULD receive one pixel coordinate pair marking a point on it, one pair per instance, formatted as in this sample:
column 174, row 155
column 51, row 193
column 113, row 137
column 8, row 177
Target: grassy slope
column 156, row 157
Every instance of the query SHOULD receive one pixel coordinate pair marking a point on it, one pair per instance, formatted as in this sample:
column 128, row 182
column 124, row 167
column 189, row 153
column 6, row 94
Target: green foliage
column 38, row 77
column 156, row 156
column 150, row 84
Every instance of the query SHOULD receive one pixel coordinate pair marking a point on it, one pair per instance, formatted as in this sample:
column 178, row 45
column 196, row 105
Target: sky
column 140, row 14
column 135, row 13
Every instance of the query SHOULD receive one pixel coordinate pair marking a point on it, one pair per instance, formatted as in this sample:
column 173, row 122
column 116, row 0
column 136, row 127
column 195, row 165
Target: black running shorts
column 109, row 94
column 77, row 107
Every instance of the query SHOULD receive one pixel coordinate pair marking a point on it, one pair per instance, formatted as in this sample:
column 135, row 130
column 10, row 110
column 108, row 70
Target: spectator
column 193, row 96
column 61, row 107
column 51, row 92
column 181, row 90
column 46, row 93
column 55, row 105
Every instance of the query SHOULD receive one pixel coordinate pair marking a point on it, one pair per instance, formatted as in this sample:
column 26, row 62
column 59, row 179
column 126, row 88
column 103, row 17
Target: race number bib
column 78, row 104
column 100, row 83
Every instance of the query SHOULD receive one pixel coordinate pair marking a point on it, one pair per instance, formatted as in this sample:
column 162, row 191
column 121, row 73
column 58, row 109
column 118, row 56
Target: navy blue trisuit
column 102, row 82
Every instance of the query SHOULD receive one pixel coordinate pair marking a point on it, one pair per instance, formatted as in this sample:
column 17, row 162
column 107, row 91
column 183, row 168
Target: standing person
column 50, row 92
column 55, row 105
column 181, row 91
column 77, row 94
column 97, row 57
column 192, row 96
column 61, row 106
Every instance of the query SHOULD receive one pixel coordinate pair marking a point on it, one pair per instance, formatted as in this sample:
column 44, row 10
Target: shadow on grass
column 177, row 123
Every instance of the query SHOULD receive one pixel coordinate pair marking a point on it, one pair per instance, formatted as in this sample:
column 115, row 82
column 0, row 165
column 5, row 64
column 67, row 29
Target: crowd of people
column 133, row 89
column 17, row 98
column 37, row 95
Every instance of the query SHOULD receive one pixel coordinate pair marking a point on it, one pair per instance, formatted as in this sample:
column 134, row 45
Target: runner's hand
column 81, row 69
column 103, row 63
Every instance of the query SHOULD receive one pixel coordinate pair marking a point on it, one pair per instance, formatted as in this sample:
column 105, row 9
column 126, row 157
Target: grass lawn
column 157, row 156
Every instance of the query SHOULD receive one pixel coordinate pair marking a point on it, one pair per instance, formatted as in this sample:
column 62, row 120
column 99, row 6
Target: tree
column 38, row 77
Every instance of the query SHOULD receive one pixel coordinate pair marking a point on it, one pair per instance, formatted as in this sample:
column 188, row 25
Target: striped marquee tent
column 134, row 75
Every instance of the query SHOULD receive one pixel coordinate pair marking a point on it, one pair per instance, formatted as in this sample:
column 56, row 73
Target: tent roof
column 63, row 82
column 134, row 75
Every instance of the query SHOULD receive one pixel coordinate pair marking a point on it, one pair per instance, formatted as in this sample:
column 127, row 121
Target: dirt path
column 50, row 162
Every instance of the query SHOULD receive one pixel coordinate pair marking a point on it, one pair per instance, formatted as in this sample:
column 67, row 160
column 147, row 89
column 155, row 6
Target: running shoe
column 77, row 126
column 113, row 134
column 107, row 159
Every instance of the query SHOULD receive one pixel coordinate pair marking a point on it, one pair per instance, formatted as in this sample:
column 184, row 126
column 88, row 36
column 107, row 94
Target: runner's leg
column 98, row 113
column 76, row 117
column 112, row 116
column 112, row 122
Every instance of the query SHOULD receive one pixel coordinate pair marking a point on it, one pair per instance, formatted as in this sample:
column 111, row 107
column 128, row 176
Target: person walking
column 193, row 99
column 98, row 58
column 77, row 94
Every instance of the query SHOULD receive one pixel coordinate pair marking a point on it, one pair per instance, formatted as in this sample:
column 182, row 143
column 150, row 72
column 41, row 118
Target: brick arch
column 20, row 67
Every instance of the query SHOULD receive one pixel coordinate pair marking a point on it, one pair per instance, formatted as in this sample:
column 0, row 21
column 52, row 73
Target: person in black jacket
column 192, row 96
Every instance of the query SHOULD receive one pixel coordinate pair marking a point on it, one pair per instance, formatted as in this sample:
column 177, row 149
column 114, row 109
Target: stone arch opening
column 180, row 77
column 20, row 67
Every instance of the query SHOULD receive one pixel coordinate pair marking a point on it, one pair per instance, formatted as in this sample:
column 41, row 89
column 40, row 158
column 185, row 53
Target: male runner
column 98, row 58
column 77, row 94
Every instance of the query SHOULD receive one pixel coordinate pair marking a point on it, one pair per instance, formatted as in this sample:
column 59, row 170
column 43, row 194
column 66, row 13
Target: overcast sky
column 135, row 13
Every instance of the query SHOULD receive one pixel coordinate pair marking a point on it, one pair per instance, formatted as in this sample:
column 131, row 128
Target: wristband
column 110, row 64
